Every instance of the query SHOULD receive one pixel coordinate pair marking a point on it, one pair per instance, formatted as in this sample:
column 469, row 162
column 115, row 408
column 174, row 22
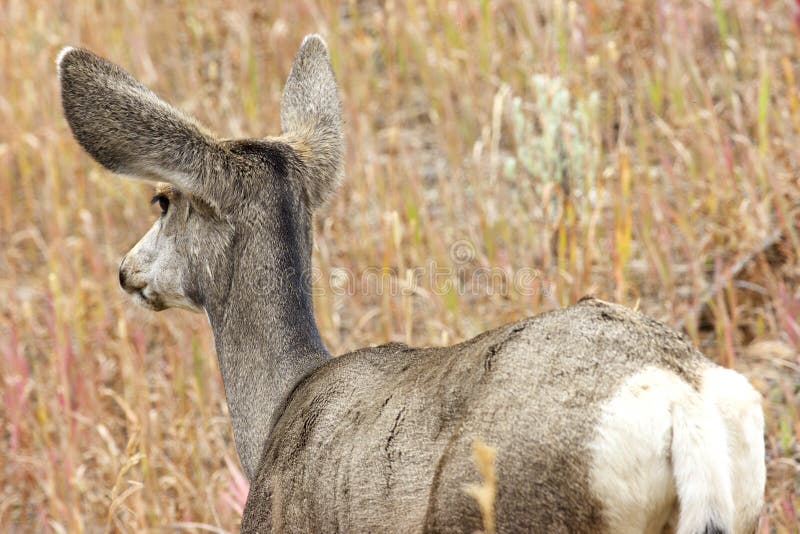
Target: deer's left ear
column 129, row 130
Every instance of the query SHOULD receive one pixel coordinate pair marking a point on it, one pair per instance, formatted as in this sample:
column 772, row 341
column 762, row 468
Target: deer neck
column 263, row 323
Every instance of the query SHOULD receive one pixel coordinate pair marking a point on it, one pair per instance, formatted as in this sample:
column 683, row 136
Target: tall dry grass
column 645, row 152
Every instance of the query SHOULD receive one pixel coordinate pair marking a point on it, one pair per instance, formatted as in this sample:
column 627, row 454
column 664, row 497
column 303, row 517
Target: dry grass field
column 646, row 152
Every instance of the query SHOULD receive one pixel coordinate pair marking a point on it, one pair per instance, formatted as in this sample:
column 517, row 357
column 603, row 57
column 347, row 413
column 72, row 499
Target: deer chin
column 157, row 302
column 148, row 300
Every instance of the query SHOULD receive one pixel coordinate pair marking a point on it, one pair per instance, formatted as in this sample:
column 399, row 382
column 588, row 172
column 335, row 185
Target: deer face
column 214, row 194
column 158, row 272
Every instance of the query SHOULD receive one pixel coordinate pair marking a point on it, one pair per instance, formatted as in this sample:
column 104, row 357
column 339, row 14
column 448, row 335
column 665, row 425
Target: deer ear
column 311, row 119
column 129, row 130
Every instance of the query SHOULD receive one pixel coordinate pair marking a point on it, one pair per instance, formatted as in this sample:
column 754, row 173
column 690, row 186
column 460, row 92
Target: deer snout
column 129, row 283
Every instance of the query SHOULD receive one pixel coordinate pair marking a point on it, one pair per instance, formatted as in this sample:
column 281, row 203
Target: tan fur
column 165, row 189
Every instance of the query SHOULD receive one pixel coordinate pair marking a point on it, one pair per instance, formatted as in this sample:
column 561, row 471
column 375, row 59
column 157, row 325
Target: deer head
column 211, row 190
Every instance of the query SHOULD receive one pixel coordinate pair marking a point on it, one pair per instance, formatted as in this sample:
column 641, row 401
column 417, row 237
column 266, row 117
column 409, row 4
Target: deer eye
column 163, row 203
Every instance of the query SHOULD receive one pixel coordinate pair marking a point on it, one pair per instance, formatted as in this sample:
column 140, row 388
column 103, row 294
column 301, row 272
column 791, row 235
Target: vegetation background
column 646, row 152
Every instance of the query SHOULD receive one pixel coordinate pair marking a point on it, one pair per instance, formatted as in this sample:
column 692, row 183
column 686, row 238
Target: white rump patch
column 630, row 468
column 659, row 442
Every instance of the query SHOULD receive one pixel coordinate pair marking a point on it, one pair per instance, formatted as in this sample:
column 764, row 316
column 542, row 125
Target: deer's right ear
column 129, row 130
column 311, row 118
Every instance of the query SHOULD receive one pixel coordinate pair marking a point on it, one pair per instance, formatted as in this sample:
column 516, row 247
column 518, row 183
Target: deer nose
column 122, row 275
column 125, row 281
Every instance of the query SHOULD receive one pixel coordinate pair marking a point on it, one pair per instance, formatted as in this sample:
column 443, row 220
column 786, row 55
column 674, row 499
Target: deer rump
column 603, row 421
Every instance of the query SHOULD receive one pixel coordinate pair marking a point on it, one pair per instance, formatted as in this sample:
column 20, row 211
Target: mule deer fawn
column 604, row 420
